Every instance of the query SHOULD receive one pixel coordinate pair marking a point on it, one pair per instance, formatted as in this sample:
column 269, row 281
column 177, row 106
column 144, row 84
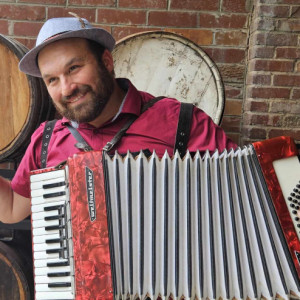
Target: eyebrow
column 69, row 63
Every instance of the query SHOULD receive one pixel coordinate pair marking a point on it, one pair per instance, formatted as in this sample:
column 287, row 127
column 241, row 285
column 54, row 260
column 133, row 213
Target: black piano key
column 54, row 185
column 56, row 250
column 58, row 264
column 59, row 274
column 56, row 217
column 59, row 284
column 54, row 207
column 54, row 227
column 54, row 241
column 54, row 195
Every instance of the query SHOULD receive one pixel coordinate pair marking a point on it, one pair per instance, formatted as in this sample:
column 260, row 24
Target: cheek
column 54, row 94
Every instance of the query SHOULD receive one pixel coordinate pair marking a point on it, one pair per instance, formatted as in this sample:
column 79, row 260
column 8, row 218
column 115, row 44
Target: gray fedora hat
column 62, row 28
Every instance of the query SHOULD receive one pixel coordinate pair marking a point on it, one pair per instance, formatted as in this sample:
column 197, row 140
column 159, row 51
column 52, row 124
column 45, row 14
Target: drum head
column 166, row 64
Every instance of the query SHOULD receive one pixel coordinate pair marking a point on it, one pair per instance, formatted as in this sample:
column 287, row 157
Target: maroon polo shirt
column 155, row 129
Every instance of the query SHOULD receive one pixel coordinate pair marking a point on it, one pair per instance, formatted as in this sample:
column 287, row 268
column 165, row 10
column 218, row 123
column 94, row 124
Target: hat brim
column 28, row 64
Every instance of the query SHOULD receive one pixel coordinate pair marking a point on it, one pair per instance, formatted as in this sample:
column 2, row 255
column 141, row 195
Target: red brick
column 288, row 52
column 295, row 134
column 4, row 27
column 263, row 24
column 86, row 13
column 271, row 65
column 177, row 19
column 195, row 4
column 238, row 6
column 291, row 121
column 261, row 52
column 267, row 93
column 286, row 80
column 233, row 108
column 232, row 72
column 225, row 55
column 235, row 137
column 259, row 79
column 231, row 123
column 118, row 16
column 285, row 107
column 273, row 11
column 27, row 29
column 289, row 25
column 254, row 133
column 295, row 11
column 159, row 4
column 53, row 2
column 257, row 106
column 280, row 1
column 108, row 3
column 22, row 12
column 120, row 33
column 296, row 94
column 222, row 21
column 198, row 36
column 231, row 38
column 262, row 119
column 275, row 39
column 233, row 92
column 28, row 43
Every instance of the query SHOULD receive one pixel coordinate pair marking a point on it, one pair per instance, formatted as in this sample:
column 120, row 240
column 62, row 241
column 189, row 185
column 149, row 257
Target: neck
column 111, row 108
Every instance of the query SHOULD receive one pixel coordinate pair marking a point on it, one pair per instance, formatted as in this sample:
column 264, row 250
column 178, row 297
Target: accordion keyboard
column 51, row 232
column 288, row 173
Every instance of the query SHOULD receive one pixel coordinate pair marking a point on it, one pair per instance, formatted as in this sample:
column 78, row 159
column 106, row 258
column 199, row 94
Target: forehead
column 65, row 46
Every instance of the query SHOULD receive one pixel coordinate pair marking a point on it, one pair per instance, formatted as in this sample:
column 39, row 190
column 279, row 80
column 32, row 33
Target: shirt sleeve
column 206, row 135
column 30, row 161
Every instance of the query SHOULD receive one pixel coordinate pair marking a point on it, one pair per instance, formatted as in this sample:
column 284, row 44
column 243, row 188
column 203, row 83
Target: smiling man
column 75, row 61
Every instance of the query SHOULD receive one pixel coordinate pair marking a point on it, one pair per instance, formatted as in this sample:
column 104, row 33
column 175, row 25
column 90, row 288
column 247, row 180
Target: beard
column 92, row 107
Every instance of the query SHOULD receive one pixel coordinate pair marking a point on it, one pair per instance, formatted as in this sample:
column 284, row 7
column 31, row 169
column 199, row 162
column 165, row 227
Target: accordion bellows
column 193, row 228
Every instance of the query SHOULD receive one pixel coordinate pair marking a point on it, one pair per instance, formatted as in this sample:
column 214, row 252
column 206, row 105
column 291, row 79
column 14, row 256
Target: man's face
column 78, row 84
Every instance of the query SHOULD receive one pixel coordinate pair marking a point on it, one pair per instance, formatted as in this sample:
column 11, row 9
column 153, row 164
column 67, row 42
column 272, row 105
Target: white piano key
column 41, row 215
column 40, row 207
column 44, row 255
column 42, row 231
column 45, row 270
column 43, row 287
column 42, row 223
column 45, row 295
column 42, row 263
column 38, row 239
column 48, row 279
column 42, row 192
column 41, row 200
column 47, row 175
column 46, row 246
column 40, row 184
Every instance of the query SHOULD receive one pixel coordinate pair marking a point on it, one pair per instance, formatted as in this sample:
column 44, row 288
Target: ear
column 107, row 60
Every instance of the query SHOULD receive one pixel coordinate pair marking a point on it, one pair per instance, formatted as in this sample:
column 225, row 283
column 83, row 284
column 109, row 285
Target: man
column 76, row 65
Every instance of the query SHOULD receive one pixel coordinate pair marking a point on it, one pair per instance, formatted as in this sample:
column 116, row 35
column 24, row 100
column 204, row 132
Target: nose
column 67, row 86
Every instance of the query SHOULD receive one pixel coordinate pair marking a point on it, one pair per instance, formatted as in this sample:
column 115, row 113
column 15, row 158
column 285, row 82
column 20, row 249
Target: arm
column 13, row 207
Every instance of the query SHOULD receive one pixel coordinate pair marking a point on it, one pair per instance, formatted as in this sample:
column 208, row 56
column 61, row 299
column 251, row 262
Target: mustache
column 78, row 91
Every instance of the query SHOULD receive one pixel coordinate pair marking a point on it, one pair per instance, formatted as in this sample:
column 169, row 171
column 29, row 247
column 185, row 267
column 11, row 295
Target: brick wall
column 272, row 106
column 260, row 83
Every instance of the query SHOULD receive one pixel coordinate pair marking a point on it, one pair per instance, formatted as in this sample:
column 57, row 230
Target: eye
column 74, row 67
column 50, row 80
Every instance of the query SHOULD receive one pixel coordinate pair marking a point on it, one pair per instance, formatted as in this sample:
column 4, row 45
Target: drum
column 166, row 64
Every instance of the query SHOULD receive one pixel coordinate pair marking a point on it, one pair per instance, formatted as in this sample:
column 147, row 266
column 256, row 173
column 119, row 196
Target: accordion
column 217, row 226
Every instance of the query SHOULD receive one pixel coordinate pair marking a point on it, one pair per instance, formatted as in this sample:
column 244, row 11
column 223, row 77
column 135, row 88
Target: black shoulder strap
column 49, row 126
column 183, row 128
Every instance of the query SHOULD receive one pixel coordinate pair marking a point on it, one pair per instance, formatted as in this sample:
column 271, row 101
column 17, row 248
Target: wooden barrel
column 167, row 64
column 16, row 280
column 24, row 101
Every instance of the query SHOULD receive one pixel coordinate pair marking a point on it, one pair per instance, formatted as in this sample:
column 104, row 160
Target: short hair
column 97, row 50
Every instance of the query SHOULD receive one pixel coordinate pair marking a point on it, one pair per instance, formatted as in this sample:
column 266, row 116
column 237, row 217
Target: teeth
column 76, row 99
